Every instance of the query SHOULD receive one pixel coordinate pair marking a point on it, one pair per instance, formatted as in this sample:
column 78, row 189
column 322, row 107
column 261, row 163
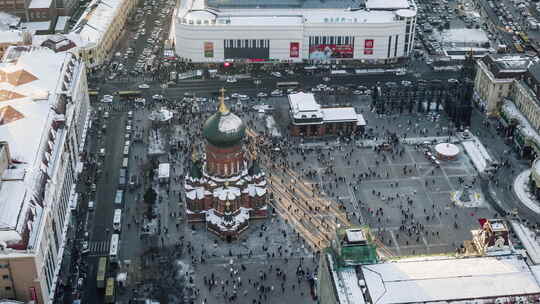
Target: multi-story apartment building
column 494, row 79
column 43, row 114
column 100, row 27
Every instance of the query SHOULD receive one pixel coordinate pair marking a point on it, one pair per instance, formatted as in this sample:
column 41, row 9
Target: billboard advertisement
column 368, row 46
column 208, row 49
column 330, row 51
column 294, row 49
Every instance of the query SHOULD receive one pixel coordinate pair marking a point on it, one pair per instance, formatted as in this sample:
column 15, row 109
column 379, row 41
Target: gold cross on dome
column 222, row 107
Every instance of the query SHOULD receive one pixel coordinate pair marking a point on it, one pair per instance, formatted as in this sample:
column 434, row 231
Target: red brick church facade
column 224, row 188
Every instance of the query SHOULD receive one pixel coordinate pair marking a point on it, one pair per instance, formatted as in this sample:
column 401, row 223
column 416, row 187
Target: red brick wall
column 220, row 158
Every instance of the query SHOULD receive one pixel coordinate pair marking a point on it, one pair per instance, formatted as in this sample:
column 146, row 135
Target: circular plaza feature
column 446, row 151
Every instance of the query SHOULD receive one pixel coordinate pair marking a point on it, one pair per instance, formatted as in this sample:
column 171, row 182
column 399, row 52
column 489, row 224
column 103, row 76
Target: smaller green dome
column 224, row 129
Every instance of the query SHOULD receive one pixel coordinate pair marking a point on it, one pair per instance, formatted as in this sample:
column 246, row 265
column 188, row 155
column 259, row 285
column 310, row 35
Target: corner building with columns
column 225, row 188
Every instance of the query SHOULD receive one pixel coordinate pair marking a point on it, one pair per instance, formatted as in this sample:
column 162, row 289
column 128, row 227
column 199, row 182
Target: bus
column 113, row 252
column 287, row 85
column 119, row 197
column 129, row 94
column 117, row 219
column 102, row 269
column 518, row 47
column 109, row 292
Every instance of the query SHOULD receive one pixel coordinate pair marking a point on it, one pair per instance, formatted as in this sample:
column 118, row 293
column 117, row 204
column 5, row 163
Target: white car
column 262, row 94
column 157, row 97
column 235, row 95
column 144, row 86
column 276, row 93
column 357, row 92
column 401, row 73
column 315, row 89
column 244, row 97
column 276, row 74
column 231, row 79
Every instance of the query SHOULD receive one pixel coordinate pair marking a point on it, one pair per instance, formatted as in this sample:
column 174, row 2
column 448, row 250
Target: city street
column 401, row 195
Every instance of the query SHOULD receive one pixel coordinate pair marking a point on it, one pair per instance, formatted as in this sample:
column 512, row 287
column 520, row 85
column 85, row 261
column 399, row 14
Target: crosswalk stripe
column 99, row 246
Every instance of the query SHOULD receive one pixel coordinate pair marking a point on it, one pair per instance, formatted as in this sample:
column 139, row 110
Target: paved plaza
column 399, row 193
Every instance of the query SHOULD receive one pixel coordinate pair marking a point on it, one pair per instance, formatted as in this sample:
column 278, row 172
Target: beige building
column 43, row 117
column 100, row 27
column 494, row 79
column 527, row 102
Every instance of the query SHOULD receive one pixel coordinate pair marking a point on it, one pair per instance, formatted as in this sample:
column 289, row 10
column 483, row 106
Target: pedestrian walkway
column 99, row 247
column 521, row 191
column 528, row 239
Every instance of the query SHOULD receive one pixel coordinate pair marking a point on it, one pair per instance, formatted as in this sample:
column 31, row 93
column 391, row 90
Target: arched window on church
column 226, row 169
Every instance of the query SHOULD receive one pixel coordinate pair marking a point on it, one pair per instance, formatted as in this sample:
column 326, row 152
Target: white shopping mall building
column 371, row 31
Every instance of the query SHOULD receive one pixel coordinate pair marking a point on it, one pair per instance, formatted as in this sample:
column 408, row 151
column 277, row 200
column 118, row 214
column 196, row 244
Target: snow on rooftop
column 290, row 15
column 11, row 36
column 12, row 199
column 164, row 170
column 8, row 21
column 478, row 154
column 61, row 23
column 392, row 4
column 339, row 114
column 265, row 20
column 525, row 126
column 40, row 4
column 36, row 26
column 439, row 279
column 24, row 134
column 462, row 35
column 97, row 18
column 304, row 105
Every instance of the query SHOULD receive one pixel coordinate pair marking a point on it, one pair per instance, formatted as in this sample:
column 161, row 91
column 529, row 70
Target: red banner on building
column 368, row 46
column 294, row 49
column 368, row 43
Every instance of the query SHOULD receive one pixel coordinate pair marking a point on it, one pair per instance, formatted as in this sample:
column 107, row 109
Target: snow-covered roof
column 447, row 149
column 435, row 280
column 26, row 118
column 227, row 193
column 339, row 114
column 236, row 220
column 525, row 126
column 388, row 4
column 265, row 20
column 462, row 35
column 11, row 36
column 164, row 170
column 61, row 23
column 361, row 120
column 8, row 21
column 381, row 11
column 40, row 4
column 96, row 19
column 304, row 105
column 36, row 26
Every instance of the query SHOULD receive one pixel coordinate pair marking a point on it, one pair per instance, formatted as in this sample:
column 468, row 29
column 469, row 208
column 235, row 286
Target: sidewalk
column 528, row 239
column 521, row 191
